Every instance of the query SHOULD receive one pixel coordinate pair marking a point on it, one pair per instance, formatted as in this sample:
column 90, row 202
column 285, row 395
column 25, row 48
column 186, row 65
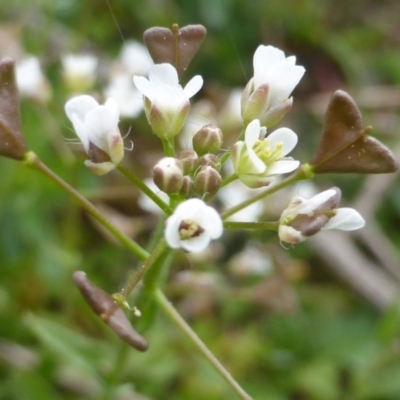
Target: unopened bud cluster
column 193, row 172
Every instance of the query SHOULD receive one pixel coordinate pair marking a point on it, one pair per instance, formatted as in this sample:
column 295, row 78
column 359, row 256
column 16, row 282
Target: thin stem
column 228, row 180
column 173, row 314
column 154, row 256
column 145, row 189
column 271, row 225
column 33, row 161
column 168, row 147
column 304, row 172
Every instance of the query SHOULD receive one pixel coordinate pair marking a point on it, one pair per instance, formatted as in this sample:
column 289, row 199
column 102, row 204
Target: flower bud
column 210, row 160
column 304, row 218
column 207, row 181
column 168, row 175
column 12, row 144
column 109, row 310
column 208, row 139
column 189, row 159
column 187, row 186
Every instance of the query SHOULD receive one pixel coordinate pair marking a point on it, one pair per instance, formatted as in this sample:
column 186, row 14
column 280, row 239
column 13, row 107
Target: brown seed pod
column 12, row 144
column 109, row 311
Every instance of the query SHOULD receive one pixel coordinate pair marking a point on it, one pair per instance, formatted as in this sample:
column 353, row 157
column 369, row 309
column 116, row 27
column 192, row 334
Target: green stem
column 271, row 226
column 154, row 256
column 228, row 180
column 173, row 314
column 33, row 161
column 304, row 172
column 168, row 147
column 145, row 189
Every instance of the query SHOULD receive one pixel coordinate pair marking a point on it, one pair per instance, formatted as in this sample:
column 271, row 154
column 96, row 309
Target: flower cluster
column 195, row 174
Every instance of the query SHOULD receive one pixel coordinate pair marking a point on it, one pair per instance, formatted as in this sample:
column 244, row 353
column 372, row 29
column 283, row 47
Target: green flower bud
column 187, row 186
column 207, row 181
column 189, row 159
column 168, row 175
column 208, row 139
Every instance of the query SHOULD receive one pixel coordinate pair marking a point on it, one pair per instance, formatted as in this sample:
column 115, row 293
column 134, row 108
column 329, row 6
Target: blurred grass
column 332, row 346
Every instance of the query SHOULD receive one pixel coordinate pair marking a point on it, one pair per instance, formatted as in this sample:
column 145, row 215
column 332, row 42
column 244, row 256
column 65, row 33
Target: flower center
column 189, row 229
column 266, row 153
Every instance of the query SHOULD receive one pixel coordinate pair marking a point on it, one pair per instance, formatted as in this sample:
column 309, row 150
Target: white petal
column 283, row 167
column 171, row 232
column 291, row 60
column 144, row 86
column 346, row 219
column 197, row 243
column 285, row 136
column 310, row 205
column 101, row 123
column 252, row 133
column 257, row 165
column 266, row 59
column 163, row 73
column 169, row 99
column 81, row 131
column 283, row 80
column 193, row 86
column 189, row 208
column 80, row 106
column 210, row 222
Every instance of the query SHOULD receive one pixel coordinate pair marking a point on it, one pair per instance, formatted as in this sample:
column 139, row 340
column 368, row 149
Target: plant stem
column 33, row 161
column 154, row 256
column 145, row 189
column 173, row 314
column 304, row 172
column 268, row 225
column 228, row 180
column 168, row 147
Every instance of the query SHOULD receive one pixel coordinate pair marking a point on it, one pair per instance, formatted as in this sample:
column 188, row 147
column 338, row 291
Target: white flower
column 129, row 99
column 266, row 96
column 304, row 218
column 97, row 128
column 146, row 203
column 166, row 102
column 258, row 160
column 79, row 71
column 135, row 59
column 31, row 81
column 192, row 226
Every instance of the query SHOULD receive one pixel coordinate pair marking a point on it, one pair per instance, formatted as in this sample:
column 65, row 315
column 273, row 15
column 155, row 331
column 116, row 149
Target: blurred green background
column 295, row 332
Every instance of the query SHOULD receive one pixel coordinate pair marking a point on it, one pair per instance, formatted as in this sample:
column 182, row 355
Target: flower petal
column 252, row 133
column 283, row 80
column 193, row 86
column 312, row 204
column 144, row 86
column 285, row 136
column 171, row 232
column 197, row 243
column 163, row 73
column 346, row 219
column 283, row 167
